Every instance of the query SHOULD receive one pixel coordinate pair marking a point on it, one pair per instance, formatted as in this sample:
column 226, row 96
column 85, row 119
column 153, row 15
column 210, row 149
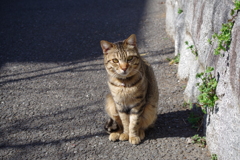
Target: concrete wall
column 196, row 24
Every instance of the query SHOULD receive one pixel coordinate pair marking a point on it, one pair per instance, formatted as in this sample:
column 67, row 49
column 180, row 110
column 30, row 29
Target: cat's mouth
column 124, row 72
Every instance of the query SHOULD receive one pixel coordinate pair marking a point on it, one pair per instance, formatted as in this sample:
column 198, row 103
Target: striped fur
column 133, row 99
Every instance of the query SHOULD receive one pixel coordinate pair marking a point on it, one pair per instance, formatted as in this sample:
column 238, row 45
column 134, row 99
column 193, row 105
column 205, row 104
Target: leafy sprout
column 192, row 48
column 207, row 88
column 223, row 38
column 199, row 140
column 180, row 11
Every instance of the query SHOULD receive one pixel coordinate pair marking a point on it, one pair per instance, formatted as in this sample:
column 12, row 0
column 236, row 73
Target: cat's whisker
column 140, row 73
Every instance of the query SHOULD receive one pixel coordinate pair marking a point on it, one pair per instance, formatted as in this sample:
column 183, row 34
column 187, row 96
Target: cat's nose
column 124, row 69
column 124, row 66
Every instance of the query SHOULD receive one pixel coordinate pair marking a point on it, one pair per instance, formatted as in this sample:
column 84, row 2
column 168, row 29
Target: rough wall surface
column 196, row 24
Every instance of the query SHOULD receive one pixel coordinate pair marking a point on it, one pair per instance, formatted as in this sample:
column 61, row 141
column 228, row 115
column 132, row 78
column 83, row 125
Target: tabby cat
column 133, row 99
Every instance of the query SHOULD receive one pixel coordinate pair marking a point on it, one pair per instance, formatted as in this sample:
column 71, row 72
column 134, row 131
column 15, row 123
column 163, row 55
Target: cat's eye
column 129, row 58
column 115, row 60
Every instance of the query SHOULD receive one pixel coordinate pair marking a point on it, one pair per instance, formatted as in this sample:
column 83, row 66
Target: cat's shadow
column 172, row 124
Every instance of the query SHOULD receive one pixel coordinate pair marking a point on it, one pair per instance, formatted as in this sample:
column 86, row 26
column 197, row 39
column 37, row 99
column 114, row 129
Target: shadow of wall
column 63, row 31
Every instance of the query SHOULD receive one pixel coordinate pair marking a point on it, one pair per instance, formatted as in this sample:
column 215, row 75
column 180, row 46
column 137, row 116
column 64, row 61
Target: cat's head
column 121, row 59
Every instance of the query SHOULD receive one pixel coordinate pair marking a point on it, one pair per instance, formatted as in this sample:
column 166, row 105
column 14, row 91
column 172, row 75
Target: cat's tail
column 111, row 126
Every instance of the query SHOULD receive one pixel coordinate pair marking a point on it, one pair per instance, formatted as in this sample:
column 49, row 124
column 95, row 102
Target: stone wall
column 196, row 24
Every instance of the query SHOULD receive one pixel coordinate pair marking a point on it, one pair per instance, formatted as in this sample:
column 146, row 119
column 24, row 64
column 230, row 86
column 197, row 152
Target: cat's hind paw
column 134, row 140
column 124, row 137
column 111, row 126
column 114, row 136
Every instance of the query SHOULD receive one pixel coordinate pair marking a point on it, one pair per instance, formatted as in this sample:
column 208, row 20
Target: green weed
column 175, row 60
column 199, row 140
column 237, row 8
column 195, row 120
column 223, row 38
column 192, row 48
column 207, row 88
column 180, row 11
column 214, row 157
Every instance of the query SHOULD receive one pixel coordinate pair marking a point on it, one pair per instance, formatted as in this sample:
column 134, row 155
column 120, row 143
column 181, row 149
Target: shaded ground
column 53, row 81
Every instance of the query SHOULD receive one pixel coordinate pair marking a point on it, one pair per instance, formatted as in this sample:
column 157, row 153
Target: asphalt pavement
column 53, row 81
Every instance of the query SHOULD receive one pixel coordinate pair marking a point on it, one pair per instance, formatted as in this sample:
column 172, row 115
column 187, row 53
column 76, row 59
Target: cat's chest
column 124, row 95
column 127, row 89
column 127, row 93
column 123, row 89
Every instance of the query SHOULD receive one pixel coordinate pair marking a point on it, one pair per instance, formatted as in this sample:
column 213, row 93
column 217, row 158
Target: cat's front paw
column 114, row 136
column 134, row 140
column 123, row 137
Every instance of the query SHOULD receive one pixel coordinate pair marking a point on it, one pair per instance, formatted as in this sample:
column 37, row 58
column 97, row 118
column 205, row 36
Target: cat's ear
column 105, row 46
column 132, row 40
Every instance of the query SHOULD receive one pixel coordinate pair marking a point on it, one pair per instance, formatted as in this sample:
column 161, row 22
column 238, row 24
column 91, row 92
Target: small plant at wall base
column 195, row 120
column 175, row 60
column 199, row 140
column 214, row 157
column 207, row 88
